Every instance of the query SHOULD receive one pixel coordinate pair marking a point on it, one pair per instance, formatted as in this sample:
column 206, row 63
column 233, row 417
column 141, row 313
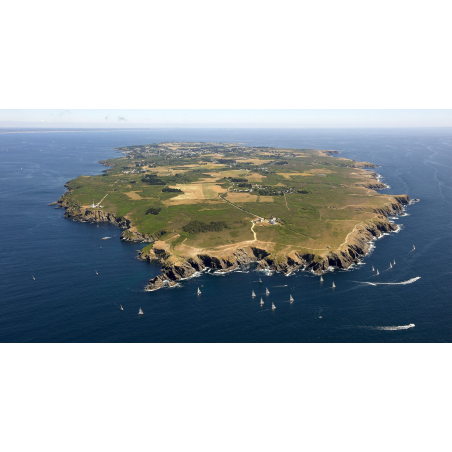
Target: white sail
column 373, row 269
column 199, row 292
column 262, row 302
column 260, row 280
column 96, row 272
column 291, row 298
column 120, row 307
column 253, row 294
column 378, row 272
column 34, row 279
column 334, row 285
column 390, row 265
column 267, row 292
column 140, row 312
column 394, row 261
column 321, row 278
column 273, row 306
column 414, row 247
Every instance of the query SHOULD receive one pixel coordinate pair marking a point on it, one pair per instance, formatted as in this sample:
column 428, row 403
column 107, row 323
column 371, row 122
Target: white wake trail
column 402, row 283
column 393, row 328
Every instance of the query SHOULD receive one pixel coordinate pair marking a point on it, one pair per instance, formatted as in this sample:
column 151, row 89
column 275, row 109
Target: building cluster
column 273, row 220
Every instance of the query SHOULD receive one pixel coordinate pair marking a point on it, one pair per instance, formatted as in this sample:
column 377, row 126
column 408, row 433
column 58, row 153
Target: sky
column 224, row 118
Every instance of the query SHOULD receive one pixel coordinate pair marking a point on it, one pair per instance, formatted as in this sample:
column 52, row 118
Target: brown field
column 255, row 177
column 191, row 191
column 133, row 195
column 266, row 199
column 255, row 161
column 211, row 190
column 194, row 193
column 241, row 197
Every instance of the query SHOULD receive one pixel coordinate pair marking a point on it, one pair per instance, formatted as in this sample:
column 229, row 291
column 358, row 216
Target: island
column 219, row 206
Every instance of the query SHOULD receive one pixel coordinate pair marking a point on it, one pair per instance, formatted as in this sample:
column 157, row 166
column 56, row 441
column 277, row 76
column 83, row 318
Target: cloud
column 121, row 118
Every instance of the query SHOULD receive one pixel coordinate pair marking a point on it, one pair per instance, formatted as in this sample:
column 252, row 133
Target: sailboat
column 120, row 307
column 267, row 292
column 273, row 306
column 414, row 247
column 394, row 261
column 291, row 299
column 260, row 280
column 321, row 278
column 377, row 272
column 100, row 247
column 96, row 272
column 199, row 292
column 34, row 279
column 262, row 302
column 140, row 312
column 253, row 294
column 373, row 269
column 334, row 285
column 390, row 265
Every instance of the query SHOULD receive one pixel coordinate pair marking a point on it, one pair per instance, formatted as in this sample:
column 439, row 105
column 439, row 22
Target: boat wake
column 390, row 328
column 402, row 283
column 285, row 285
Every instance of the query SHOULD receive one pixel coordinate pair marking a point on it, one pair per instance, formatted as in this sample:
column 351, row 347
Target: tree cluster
column 171, row 190
column 153, row 210
column 196, row 226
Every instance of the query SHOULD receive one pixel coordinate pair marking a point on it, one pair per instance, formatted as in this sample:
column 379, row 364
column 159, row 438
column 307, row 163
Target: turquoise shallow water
column 68, row 302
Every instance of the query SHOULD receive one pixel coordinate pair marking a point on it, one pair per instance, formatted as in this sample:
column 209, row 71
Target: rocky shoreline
column 357, row 246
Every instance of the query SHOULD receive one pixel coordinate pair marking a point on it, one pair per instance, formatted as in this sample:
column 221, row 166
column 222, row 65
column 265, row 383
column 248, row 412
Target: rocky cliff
column 75, row 212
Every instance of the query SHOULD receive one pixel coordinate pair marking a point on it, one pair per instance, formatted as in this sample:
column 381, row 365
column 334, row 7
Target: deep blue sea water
column 68, row 302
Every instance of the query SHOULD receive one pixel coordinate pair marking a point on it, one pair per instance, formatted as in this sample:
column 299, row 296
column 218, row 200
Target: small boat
column 105, row 238
column 100, row 247
column 291, row 299
column 390, row 265
column 273, row 306
column 377, row 272
column 414, row 247
column 394, row 261
column 199, row 292
column 373, row 269
column 260, row 280
column 262, row 302
column 122, row 309
column 321, row 278
column 334, row 285
column 253, row 294
column 34, row 279
column 96, row 272
column 140, row 312
column 267, row 292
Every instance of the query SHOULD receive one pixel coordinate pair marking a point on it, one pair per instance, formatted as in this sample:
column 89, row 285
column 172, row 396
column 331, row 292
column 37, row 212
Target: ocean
column 68, row 302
